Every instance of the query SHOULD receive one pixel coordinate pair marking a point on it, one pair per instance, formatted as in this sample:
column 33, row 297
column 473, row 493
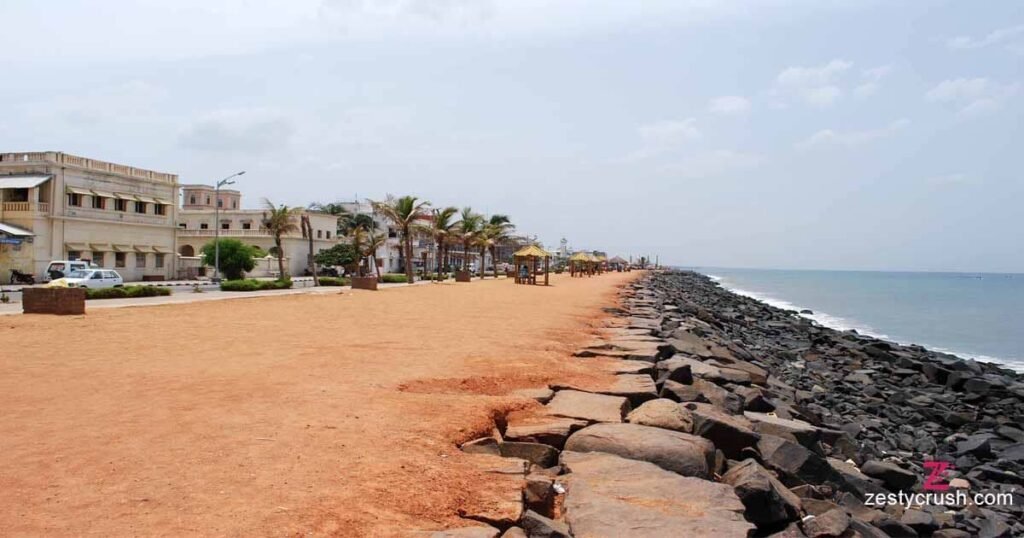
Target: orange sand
column 293, row 415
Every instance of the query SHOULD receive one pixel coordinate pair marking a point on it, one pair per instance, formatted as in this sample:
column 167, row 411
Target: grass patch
column 394, row 278
column 126, row 292
column 334, row 281
column 250, row 284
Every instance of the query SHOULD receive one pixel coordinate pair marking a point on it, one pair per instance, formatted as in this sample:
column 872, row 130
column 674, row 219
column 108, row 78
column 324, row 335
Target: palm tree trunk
column 409, row 276
column 440, row 257
column 494, row 260
column 280, row 257
column 483, row 262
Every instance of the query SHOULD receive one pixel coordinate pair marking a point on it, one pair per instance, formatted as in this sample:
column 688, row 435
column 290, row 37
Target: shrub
column 334, row 281
column 393, row 278
column 126, row 292
column 339, row 255
column 250, row 284
column 235, row 257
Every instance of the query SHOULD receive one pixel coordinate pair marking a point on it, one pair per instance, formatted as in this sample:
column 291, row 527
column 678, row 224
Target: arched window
column 187, row 251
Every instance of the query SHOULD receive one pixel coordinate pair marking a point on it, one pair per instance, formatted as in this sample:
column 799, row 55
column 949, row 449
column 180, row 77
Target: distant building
column 198, row 225
column 58, row 206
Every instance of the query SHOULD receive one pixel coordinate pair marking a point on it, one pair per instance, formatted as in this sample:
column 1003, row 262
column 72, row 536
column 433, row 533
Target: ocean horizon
column 971, row 315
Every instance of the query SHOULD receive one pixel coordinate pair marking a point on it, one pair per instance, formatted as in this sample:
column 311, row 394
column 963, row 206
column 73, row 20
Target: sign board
column 10, row 241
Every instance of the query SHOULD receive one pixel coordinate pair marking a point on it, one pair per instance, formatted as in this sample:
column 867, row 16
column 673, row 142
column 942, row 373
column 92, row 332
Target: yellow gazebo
column 581, row 264
column 525, row 261
column 601, row 262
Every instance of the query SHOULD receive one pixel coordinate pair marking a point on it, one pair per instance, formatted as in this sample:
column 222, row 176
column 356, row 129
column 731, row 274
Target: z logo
column 934, row 480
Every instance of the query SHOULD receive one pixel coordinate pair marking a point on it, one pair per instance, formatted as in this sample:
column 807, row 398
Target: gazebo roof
column 617, row 259
column 532, row 250
column 580, row 257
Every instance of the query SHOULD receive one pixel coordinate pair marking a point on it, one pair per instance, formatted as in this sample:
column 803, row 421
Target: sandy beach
column 330, row 414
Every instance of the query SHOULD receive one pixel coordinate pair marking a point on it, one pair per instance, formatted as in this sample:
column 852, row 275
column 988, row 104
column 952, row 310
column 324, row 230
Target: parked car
column 94, row 279
column 62, row 268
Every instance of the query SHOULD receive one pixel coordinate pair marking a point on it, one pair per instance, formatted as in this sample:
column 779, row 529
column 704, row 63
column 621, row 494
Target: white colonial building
column 198, row 225
column 58, row 206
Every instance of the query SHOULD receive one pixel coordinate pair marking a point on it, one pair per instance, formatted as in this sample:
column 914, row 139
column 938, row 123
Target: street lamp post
column 216, row 224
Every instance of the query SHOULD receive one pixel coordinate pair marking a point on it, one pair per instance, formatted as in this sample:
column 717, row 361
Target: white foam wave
column 843, row 324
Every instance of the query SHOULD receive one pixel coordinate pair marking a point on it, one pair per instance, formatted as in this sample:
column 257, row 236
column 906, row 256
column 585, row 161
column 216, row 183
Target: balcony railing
column 224, row 233
column 26, row 207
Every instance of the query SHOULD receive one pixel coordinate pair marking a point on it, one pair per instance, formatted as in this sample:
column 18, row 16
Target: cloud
column 831, row 138
column 1013, row 36
column 713, row 163
column 974, row 96
column 729, row 105
column 670, row 132
column 871, row 81
column 817, row 86
column 238, row 130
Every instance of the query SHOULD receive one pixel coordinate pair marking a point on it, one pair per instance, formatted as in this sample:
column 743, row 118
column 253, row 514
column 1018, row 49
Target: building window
column 183, row 225
column 220, row 203
column 204, row 226
column 246, row 225
column 74, row 199
column 74, row 255
column 207, row 200
column 120, row 204
column 97, row 258
column 225, row 226
column 159, row 209
column 234, row 204
column 328, row 234
column 140, row 207
column 192, row 199
column 159, row 261
column 99, row 202
column 140, row 260
column 319, row 234
column 119, row 259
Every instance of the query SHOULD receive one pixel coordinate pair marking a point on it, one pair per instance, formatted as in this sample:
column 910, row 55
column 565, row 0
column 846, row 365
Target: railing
column 118, row 216
column 225, row 233
column 26, row 207
column 87, row 164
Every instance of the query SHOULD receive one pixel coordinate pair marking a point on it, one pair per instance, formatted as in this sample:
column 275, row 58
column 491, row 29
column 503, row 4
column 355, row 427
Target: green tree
column 497, row 231
column 342, row 254
column 442, row 229
column 404, row 213
column 280, row 221
column 466, row 230
column 236, row 257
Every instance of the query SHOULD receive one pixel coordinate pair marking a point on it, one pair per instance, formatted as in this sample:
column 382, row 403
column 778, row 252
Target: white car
column 94, row 279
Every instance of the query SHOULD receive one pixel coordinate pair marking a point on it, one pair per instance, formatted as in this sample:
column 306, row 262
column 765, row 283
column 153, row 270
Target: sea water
column 973, row 315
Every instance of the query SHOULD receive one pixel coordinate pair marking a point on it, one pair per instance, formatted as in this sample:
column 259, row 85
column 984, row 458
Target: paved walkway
column 185, row 294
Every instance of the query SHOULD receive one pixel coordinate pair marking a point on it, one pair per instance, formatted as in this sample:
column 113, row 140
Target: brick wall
column 62, row 301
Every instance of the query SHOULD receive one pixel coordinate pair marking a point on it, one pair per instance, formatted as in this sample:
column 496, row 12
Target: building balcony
column 224, row 233
column 26, row 207
column 110, row 215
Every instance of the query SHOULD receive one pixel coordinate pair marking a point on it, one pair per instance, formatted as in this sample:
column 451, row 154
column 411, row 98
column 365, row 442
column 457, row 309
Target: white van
column 61, row 268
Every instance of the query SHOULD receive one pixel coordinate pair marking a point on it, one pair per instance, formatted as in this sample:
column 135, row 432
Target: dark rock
column 679, row 392
column 895, row 477
column 831, row 524
column 536, row 453
column 679, row 452
column 794, row 430
column 767, row 501
column 795, row 463
column 920, row 521
column 543, row 429
column 730, row 433
column 539, row 526
column 791, row 531
column 893, row 527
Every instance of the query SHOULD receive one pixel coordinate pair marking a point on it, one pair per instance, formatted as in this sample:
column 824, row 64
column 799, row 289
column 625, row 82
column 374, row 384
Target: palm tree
column 499, row 230
column 374, row 241
column 441, row 229
column 280, row 221
column 467, row 230
column 404, row 213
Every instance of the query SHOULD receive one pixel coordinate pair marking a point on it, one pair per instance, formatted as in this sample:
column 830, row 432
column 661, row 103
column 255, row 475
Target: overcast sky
column 774, row 133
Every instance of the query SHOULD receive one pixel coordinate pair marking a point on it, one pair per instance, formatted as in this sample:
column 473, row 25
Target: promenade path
column 310, row 414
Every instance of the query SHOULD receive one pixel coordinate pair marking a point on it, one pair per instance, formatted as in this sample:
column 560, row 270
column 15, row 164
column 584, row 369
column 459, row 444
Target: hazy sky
column 773, row 133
